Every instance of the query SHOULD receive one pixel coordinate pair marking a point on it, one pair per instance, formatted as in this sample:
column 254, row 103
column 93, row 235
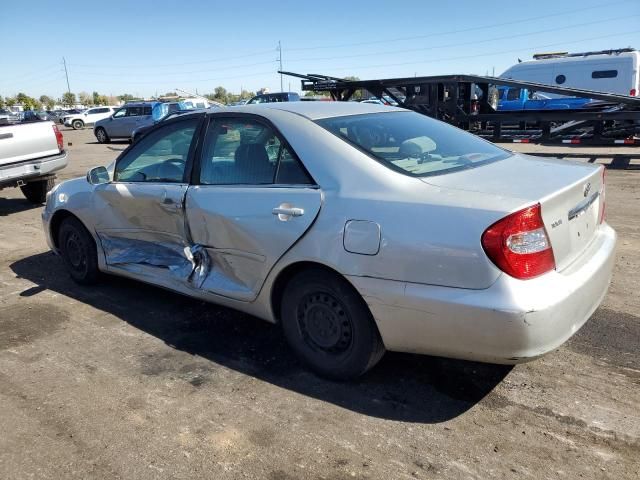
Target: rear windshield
column 412, row 143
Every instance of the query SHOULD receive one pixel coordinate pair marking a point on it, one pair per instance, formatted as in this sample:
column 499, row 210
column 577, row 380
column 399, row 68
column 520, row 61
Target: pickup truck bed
column 29, row 155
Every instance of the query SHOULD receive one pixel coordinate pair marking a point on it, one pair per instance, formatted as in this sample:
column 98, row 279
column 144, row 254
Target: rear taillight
column 519, row 245
column 602, row 195
column 633, row 92
column 59, row 137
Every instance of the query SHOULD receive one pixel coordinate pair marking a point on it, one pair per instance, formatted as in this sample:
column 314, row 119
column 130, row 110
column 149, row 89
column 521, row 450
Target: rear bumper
column 510, row 322
column 30, row 170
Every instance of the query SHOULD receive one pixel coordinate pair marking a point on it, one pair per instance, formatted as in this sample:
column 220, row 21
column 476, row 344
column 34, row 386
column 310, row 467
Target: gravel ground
column 124, row 380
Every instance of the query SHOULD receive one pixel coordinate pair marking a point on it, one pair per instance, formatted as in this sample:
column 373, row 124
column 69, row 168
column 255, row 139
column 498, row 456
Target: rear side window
column 412, row 143
column 604, row 74
column 146, row 110
column 134, row 111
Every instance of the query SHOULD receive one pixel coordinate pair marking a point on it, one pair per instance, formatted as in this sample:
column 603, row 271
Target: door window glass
column 134, row 111
column 247, row 152
column 513, row 94
column 120, row 113
column 146, row 110
column 160, row 156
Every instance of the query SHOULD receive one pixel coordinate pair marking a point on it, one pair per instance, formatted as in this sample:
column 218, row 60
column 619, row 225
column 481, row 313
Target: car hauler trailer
column 470, row 102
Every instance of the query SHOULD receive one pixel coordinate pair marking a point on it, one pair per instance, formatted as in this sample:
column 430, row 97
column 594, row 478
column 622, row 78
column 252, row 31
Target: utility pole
column 280, row 60
column 66, row 74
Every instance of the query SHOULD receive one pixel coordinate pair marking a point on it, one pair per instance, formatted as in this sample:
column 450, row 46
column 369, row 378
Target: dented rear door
column 251, row 202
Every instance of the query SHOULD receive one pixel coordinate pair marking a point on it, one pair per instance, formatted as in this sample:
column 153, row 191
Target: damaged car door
column 140, row 214
column 250, row 201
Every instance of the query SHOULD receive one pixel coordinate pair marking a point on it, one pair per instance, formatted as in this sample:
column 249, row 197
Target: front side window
column 412, row 143
column 247, row 152
column 120, row 113
column 160, row 156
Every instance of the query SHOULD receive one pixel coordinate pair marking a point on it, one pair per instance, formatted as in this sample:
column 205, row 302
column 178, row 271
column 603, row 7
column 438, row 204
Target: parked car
column 357, row 227
column 69, row 111
column 30, row 153
column 88, row 117
column 7, row 116
column 124, row 121
column 161, row 113
column 34, row 116
column 275, row 97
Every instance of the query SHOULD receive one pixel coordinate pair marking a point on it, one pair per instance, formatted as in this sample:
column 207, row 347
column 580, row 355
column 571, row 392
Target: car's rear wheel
column 77, row 124
column 329, row 326
column 78, row 251
column 101, row 135
column 36, row 192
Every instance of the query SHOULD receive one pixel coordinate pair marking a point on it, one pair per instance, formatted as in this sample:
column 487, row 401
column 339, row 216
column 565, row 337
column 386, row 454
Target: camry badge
column 587, row 188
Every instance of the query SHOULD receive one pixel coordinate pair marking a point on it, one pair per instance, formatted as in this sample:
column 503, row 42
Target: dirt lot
column 128, row 381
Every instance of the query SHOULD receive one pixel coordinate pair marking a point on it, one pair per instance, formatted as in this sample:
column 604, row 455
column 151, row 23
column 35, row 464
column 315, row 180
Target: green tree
column 126, row 97
column 10, row 101
column 220, row 94
column 85, row 99
column 47, row 101
column 69, row 99
column 2, row 102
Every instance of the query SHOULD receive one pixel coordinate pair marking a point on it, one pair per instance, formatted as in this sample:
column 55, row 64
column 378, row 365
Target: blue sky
column 143, row 47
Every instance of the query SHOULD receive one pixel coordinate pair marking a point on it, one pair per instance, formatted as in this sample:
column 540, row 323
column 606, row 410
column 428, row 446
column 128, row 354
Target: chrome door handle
column 285, row 213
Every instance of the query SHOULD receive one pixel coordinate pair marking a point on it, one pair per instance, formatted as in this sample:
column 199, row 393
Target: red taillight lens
column 59, row 137
column 518, row 244
column 632, row 92
column 602, row 195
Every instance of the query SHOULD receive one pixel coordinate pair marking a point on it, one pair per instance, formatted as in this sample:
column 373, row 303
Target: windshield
column 413, row 143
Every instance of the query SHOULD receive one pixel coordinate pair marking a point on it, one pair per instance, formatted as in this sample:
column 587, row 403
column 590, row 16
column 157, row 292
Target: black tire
column 36, row 192
column 77, row 124
column 78, row 251
column 101, row 135
column 329, row 326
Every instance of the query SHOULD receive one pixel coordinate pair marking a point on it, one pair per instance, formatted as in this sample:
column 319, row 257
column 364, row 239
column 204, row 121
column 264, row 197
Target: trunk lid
column 569, row 193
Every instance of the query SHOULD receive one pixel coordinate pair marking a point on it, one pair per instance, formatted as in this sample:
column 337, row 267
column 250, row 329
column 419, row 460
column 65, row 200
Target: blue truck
column 516, row 98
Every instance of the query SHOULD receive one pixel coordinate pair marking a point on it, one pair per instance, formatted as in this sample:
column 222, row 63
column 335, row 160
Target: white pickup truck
column 29, row 155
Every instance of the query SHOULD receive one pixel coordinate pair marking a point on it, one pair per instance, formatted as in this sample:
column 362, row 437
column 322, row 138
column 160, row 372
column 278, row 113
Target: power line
column 189, row 80
column 451, row 32
column 352, row 69
column 199, row 62
column 183, row 73
column 472, row 42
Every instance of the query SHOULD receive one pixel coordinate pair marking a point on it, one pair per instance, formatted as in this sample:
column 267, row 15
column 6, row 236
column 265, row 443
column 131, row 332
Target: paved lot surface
column 128, row 381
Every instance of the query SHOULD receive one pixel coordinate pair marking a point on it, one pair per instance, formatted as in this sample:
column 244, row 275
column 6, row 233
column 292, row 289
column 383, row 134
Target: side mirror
column 98, row 176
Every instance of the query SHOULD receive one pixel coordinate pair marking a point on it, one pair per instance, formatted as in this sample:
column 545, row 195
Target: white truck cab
column 609, row 71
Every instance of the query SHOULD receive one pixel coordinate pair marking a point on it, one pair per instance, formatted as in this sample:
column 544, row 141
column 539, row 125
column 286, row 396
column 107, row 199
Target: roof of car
column 316, row 110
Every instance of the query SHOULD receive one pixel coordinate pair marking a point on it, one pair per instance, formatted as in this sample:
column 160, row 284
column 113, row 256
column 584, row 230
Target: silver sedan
column 359, row 228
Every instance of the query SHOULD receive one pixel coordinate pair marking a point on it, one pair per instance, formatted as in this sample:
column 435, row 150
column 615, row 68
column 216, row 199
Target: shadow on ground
column 403, row 387
column 9, row 206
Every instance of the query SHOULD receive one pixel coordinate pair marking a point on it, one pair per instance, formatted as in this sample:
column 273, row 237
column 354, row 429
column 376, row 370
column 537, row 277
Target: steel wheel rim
column 75, row 252
column 324, row 323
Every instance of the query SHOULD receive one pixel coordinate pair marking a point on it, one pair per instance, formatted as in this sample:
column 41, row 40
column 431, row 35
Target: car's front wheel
column 101, row 135
column 329, row 326
column 77, row 124
column 78, row 251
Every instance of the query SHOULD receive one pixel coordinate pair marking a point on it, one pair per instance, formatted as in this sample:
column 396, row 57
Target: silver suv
column 124, row 121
